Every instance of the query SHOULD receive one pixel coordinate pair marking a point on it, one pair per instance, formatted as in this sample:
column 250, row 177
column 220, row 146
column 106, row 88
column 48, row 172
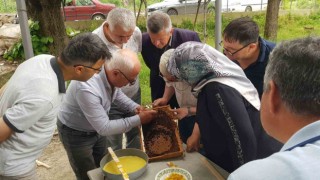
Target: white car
column 178, row 7
column 244, row 6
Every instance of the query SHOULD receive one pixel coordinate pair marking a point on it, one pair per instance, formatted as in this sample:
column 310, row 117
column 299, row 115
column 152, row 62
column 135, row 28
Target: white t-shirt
column 29, row 105
column 183, row 94
column 134, row 44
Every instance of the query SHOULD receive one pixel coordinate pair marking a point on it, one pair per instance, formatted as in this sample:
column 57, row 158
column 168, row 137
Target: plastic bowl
column 125, row 152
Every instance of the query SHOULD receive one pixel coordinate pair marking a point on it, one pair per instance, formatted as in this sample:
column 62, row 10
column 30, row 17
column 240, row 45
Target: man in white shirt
column 119, row 31
column 30, row 101
column 290, row 112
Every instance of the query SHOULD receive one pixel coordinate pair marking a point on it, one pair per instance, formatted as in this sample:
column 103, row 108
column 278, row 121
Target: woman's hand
column 160, row 102
column 180, row 113
column 193, row 143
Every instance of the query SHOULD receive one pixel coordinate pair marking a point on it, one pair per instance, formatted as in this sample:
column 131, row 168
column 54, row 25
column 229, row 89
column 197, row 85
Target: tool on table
column 119, row 165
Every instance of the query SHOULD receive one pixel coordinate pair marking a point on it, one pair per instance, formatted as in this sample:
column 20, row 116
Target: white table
column 198, row 166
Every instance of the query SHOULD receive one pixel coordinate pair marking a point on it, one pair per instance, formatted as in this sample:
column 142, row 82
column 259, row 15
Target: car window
column 84, row 2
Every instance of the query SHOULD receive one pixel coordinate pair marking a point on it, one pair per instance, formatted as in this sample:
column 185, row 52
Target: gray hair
column 158, row 21
column 121, row 17
column 86, row 49
column 294, row 66
column 164, row 62
column 121, row 60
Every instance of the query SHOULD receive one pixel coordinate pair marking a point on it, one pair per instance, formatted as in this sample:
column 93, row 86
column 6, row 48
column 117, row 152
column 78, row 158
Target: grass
column 144, row 83
column 291, row 25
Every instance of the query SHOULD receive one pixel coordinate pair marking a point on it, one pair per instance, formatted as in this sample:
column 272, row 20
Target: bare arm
column 168, row 93
column 193, row 142
column 5, row 131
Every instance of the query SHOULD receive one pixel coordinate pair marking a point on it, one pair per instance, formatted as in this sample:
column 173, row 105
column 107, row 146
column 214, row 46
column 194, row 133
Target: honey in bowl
column 129, row 163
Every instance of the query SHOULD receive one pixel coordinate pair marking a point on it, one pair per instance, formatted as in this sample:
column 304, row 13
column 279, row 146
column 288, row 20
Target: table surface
column 193, row 162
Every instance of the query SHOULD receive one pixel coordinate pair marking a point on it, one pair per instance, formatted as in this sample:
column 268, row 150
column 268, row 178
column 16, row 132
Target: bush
column 40, row 44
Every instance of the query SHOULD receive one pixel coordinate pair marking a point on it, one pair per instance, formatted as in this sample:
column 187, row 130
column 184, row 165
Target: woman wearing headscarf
column 228, row 106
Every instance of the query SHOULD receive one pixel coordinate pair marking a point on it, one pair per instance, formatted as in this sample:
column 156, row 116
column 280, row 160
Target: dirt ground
column 55, row 156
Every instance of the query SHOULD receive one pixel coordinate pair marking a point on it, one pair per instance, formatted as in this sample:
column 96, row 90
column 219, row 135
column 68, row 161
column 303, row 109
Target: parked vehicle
column 86, row 10
column 177, row 7
column 244, row 6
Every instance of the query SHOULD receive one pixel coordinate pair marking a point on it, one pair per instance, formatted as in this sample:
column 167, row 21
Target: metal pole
column 24, row 27
column 218, row 25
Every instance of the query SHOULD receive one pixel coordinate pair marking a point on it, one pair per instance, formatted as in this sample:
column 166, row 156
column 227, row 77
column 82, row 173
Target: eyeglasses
column 230, row 53
column 95, row 69
column 131, row 82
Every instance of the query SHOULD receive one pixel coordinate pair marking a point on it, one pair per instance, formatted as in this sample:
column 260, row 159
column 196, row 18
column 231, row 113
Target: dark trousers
column 84, row 149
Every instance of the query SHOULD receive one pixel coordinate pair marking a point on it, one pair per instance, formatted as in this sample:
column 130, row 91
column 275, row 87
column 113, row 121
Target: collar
column 56, row 68
column 105, row 81
column 307, row 132
column 263, row 47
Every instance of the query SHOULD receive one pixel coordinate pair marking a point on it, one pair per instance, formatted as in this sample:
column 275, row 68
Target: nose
column 125, row 39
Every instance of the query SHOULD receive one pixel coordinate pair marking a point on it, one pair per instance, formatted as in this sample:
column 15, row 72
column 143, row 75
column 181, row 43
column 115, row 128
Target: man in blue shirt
column 242, row 44
column 290, row 112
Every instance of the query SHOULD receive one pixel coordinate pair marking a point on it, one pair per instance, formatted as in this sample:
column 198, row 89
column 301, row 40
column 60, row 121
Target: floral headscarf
column 198, row 64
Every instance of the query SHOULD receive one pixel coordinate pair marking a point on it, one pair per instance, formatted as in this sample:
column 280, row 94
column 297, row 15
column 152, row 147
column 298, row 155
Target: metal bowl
column 120, row 153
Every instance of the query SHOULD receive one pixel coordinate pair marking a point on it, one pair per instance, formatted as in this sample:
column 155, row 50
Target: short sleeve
column 26, row 113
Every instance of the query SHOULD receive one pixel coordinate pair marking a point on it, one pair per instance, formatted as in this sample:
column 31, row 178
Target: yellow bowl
column 120, row 153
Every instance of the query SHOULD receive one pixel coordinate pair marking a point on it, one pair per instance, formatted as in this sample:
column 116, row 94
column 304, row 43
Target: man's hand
column 146, row 116
column 139, row 109
column 5, row 131
column 160, row 102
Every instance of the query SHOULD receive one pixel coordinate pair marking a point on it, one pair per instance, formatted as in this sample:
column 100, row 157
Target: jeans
column 84, row 149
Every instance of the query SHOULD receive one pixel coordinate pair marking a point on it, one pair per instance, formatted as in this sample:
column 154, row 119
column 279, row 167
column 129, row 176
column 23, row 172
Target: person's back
column 227, row 107
column 290, row 112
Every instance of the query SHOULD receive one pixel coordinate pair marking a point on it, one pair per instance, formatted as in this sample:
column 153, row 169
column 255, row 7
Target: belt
column 74, row 131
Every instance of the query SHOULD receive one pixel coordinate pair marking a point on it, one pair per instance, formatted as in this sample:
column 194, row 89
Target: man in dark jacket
column 242, row 44
column 159, row 38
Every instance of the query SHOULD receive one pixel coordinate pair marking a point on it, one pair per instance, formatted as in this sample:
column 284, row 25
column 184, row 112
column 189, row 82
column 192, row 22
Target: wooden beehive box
column 161, row 139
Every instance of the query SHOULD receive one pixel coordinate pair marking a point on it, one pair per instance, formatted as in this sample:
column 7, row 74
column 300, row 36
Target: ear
column 253, row 45
column 78, row 69
column 171, row 31
column 274, row 98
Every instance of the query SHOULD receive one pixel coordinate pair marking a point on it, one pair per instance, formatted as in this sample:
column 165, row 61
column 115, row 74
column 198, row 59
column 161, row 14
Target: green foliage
column 142, row 24
column 40, row 44
column 71, row 32
column 8, row 6
column 307, row 4
column 144, row 83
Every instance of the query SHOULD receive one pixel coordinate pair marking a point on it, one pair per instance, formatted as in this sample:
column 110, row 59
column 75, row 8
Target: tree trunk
column 48, row 13
column 271, row 25
column 195, row 19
